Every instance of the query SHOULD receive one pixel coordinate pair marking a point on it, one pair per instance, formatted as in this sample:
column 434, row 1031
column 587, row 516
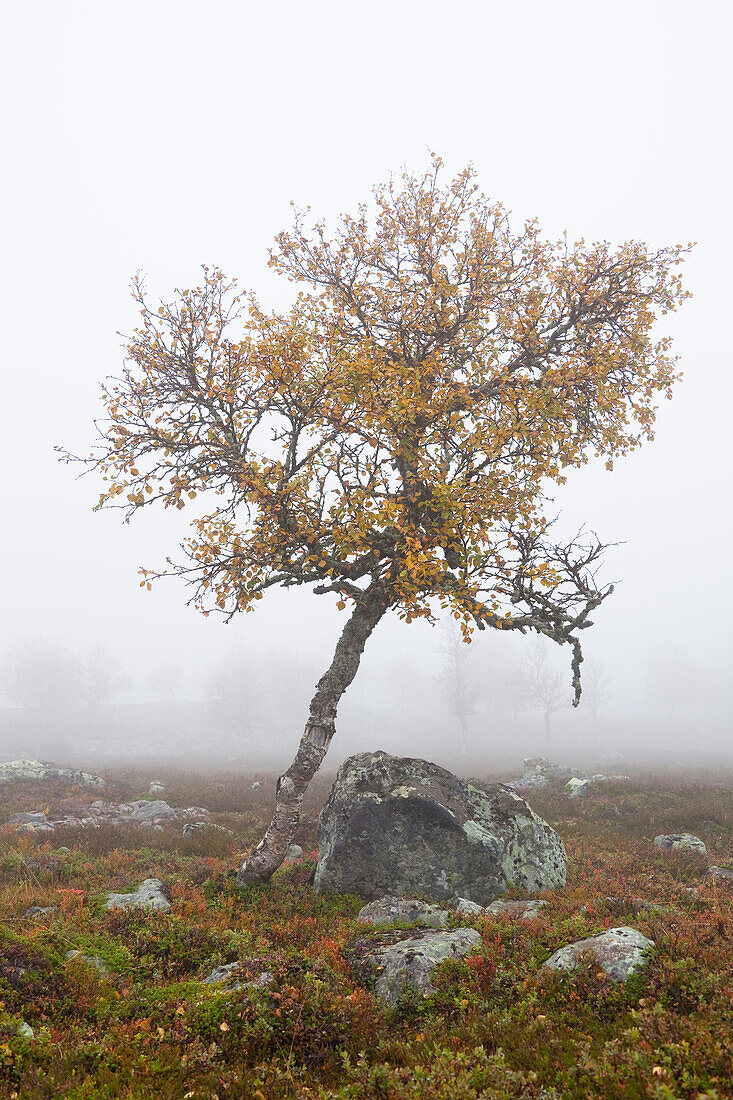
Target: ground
column 498, row 1025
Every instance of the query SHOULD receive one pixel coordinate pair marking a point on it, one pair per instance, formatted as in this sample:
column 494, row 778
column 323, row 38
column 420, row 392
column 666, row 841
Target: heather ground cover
column 140, row 1023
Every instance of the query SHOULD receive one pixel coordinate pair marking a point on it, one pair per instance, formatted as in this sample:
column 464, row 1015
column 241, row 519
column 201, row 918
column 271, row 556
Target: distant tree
column 536, row 685
column 102, row 677
column 390, row 439
column 596, row 688
column 235, row 692
column 43, row 676
column 460, row 685
column 670, row 679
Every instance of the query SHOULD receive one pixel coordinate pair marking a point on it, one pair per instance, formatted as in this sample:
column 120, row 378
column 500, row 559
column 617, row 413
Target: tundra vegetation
column 392, row 439
column 131, row 1017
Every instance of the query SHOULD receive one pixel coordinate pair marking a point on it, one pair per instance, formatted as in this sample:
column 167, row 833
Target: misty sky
column 159, row 136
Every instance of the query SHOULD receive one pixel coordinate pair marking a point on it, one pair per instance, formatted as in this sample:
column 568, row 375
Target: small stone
column 223, row 975
column 681, row 842
column 408, row 963
column 25, row 1030
column 720, row 874
column 576, row 788
column 294, row 852
column 34, row 912
column 391, row 910
column 156, row 787
column 523, row 910
column 198, row 828
column 93, row 960
column 149, row 895
column 620, row 952
column 468, row 908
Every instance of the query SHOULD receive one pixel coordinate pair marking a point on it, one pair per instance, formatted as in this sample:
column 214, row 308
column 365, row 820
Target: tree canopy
column 394, row 437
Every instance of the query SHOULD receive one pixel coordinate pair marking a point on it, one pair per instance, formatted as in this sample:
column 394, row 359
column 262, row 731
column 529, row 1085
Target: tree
column 596, row 688
column 460, row 684
column 102, row 677
column 390, row 439
column 43, row 676
column 539, row 686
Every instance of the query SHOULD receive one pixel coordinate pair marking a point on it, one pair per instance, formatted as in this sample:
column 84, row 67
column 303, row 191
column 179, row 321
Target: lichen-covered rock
column 620, row 952
column 36, row 769
column 390, row 910
column 35, row 817
column 198, row 828
column 540, row 765
column 576, row 788
column 35, row 912
column 681, row 842
column 156, row 812
column 524, row 910
column 149, row 895
column 229, row 974
column 720, row 875
column 467, row 908
column 294, row 852
column 397, row 964
column 398, row 826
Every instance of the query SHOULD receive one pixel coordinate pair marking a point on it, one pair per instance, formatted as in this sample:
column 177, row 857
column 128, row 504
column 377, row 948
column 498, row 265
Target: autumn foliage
column 402, row 422
column 392, row 438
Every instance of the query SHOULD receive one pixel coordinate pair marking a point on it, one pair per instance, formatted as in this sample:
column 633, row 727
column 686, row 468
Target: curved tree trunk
column 319, row 730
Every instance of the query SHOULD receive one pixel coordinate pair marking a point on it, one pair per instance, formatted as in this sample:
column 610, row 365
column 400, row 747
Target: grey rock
column 294, row 852
column 681, row 842
column 540, row 765
column 577, row 788
column 390, row 910
column 25, row 1030
column 152, row 813
column 92, row 960
column 35, row 818
column 467, row 908
column 197, row 828
column 399, row 826
column 149, row 895
column 14, row 770
column 409, row 962
column 35, row 912
column 524, row 910
column 225, row 975
column 198, row 813
column 156, row 787
column 529, row 782
column 720, row 874
column 620, row 952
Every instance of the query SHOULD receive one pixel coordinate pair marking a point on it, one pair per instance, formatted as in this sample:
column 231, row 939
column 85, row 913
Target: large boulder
column 15, row 770
column 394, row 826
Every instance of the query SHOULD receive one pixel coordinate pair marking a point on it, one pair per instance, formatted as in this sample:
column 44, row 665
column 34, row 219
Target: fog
column 157, row 137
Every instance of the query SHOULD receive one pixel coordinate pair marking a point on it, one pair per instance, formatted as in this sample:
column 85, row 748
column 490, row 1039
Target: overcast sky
column 159, row 136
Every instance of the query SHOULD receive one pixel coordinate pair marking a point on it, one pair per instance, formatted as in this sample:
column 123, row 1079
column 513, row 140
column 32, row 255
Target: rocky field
column 132, row 966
